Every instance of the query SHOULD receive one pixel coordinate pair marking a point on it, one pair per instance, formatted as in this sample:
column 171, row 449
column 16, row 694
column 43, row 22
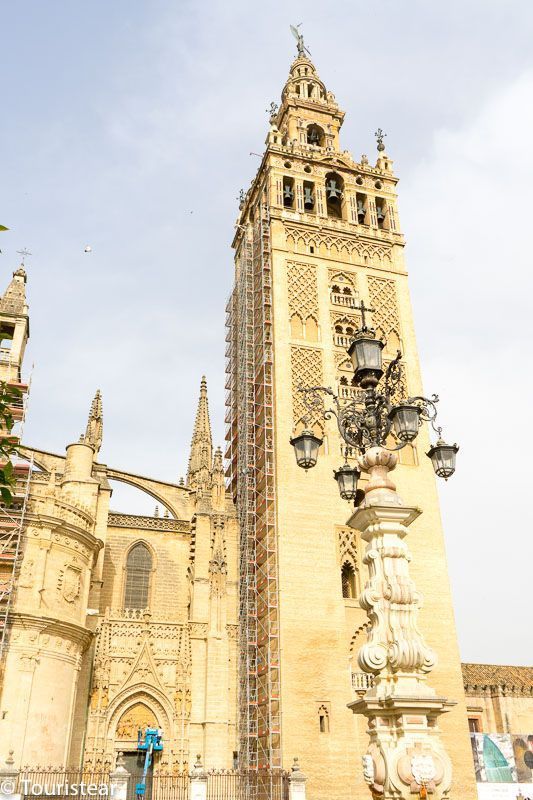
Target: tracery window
column 138, row 574
column 348, row 581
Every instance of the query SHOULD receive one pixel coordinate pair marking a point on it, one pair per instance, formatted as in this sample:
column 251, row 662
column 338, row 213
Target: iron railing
column 222, row 784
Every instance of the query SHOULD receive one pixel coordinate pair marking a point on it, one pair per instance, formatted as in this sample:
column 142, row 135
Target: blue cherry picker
column 150, row 741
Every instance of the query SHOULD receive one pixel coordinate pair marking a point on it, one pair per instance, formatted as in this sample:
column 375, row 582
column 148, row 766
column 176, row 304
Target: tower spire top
column 302, row 49
column 95, row 424
column 201, row 456
column 13, row 301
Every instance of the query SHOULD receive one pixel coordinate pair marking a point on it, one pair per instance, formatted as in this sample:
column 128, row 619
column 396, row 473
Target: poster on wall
column 523, row 755
column 494, row 759
column 505, row 791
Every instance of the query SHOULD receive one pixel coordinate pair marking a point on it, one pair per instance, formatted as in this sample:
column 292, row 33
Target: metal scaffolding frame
column 251, row 479
column 12, row 523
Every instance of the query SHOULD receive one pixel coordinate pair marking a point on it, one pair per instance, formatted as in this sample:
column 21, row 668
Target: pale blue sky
column 120, row 118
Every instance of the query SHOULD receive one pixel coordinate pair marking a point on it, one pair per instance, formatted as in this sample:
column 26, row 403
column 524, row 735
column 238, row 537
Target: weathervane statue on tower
column 302, row 49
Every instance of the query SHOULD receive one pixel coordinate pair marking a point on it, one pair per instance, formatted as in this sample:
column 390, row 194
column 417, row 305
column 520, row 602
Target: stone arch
column 297, row 326
column 155, row 489
column 342, row 277
column 140, row 694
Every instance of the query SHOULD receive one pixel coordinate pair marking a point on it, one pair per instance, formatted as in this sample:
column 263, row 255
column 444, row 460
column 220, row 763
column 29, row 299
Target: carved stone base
column 405, row 753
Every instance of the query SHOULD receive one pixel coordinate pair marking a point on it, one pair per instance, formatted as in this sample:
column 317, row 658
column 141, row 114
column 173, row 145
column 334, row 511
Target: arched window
column 138, row 572
column 348, row 580
column 323, row 719
column 315, row 135
column 334, row 194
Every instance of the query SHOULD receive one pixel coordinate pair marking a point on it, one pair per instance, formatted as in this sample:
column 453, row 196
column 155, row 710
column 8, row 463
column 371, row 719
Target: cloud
column 465, row 209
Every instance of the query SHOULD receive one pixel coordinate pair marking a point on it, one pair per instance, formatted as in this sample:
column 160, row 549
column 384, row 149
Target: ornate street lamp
column 442, row 457
column 347, row 477
column 405, row 756
column 366, row 420
column 306, row 447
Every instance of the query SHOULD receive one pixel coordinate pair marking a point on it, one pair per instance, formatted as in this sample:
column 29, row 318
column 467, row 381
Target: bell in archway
column 333, row 192
column 288, row 193
column 309, row 200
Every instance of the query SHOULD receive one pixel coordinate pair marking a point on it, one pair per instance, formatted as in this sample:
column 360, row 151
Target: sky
column 131, row 126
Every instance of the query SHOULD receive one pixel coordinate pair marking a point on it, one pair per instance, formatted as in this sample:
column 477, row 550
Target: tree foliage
column 9, row 396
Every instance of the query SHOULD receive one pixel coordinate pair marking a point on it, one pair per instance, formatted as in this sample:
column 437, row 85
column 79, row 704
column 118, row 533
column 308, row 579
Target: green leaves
column 3, row 228
column 10, row 396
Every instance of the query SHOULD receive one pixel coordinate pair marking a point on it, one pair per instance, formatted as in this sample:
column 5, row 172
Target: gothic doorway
column 134, row 764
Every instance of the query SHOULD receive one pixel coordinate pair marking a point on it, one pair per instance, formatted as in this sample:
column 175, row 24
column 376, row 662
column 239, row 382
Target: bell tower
column 14, row 327
column 318, row 233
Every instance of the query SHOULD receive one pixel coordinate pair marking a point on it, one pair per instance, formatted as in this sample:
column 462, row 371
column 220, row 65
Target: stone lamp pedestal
column 405, row 755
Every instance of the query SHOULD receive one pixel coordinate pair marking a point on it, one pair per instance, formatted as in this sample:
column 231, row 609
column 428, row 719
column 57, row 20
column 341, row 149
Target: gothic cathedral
column 231, row 619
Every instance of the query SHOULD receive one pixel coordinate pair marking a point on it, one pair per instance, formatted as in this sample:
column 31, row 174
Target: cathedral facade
column 232, row 620
column 116, row 621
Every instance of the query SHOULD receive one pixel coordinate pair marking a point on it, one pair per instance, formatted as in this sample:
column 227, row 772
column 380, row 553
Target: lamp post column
column 406, row 754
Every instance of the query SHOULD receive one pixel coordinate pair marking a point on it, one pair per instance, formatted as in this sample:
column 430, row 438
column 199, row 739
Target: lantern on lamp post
column 367, row 419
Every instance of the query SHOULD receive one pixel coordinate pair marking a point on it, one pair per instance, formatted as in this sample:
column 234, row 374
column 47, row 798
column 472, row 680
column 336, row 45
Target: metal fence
column 221, row 784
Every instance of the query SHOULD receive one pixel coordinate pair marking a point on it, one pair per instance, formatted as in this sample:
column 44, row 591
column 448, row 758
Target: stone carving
column 306, row 370
column 27, row 574
column 382, row 296
column 138, row 716
column 368, row 768
column 302, row 290
column 148, row 523
column 423, row 769
column 218, row 563
column 414, row 756
column 69, row 583
column 198, row 630
column 337, row 244
column 348, row 545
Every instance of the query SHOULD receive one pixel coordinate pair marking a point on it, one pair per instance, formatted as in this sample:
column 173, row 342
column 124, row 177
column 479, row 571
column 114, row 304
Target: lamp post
column 405, row 755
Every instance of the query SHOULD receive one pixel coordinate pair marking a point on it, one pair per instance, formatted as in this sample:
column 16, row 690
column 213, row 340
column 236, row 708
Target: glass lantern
column 306, row 447
column 365, row 352
column 442, row 457
column 347, row 477
column 405, row 421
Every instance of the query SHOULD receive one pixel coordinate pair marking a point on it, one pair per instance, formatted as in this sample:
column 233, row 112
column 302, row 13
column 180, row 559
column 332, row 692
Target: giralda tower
column 317, row 233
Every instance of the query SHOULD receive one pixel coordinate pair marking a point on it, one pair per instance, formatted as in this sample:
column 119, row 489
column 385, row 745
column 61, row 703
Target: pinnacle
column 201, row 445
column 95, row 423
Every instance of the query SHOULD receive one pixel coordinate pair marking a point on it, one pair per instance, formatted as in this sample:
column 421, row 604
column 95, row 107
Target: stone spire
column 95, row 424
column 13, row 300
column 200, row 459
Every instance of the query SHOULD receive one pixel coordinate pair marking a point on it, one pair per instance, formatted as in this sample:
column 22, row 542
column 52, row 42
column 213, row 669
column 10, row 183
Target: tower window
column 315, row 135
column 381, row 212
column 138, row 573
column 361, row 208
column 323, row 719
column 6, row 336
column 309, row 196
column 348, row 581
column 288, row 192
column 334, row 194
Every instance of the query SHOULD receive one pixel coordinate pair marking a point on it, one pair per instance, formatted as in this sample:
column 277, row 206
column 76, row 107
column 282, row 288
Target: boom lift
column 149, row 741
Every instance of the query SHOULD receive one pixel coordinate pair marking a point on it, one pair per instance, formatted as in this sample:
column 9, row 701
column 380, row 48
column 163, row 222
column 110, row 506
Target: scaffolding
column 250, row 455
column 12, row 520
